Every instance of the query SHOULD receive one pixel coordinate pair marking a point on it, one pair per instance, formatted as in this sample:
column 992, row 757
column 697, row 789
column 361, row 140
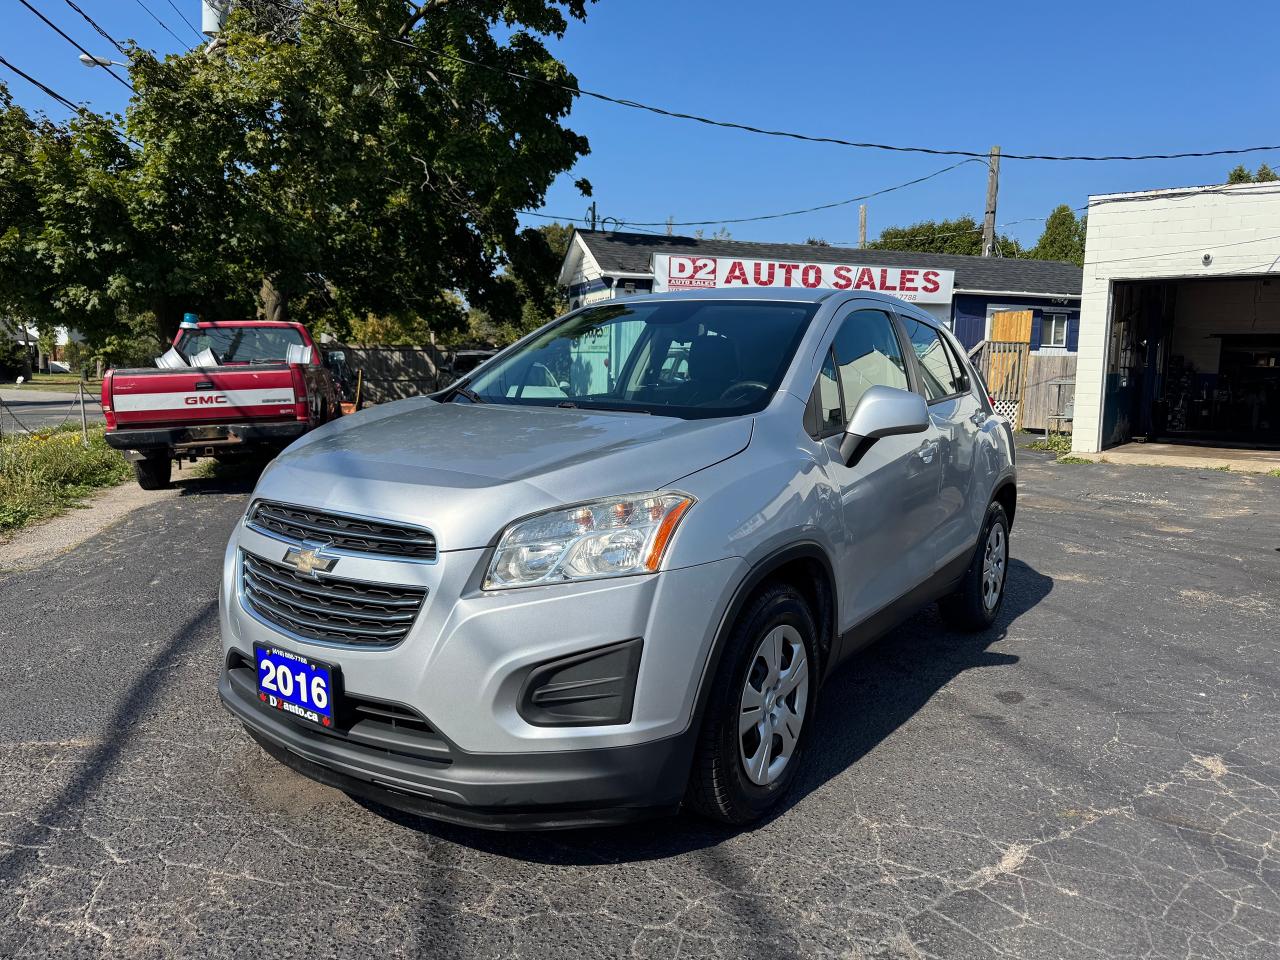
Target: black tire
column 968, row 608
column 719, row 787
column 153, row 473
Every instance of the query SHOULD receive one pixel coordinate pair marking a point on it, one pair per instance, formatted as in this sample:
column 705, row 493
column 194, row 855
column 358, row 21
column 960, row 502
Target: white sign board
column 671, row 273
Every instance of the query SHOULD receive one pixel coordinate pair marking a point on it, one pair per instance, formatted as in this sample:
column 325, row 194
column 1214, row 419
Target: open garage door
column 1194, row 361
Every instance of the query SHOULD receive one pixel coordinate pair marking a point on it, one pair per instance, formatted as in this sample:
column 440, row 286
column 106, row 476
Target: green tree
column 312, row 166
column 962, row 235
column 1241, row 174
column 1062, row 239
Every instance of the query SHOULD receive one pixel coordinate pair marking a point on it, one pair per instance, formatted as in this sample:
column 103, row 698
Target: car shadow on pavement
column 210, row 477
column 863, row 703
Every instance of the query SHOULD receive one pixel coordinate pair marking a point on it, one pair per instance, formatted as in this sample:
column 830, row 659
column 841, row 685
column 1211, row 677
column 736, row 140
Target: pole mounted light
column 91, row 61
column 213, row 13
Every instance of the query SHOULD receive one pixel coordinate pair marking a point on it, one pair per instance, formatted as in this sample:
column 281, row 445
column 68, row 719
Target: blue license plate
column 296, row 685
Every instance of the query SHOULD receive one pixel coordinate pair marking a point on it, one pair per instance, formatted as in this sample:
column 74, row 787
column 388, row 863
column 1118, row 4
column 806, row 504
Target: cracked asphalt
column 1099, row 776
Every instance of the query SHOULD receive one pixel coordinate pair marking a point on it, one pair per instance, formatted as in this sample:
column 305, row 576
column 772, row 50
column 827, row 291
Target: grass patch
column 1069, row 459
column 60, row 383
column 1059, row 443
column 1274, row 473
column 46, row 473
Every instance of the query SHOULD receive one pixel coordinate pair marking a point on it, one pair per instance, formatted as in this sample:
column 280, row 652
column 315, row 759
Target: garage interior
column 1194, row 362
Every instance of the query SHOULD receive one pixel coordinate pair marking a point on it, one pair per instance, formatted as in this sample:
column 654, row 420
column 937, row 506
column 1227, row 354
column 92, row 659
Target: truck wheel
column 153, row 473
column 752, row 738
column 978, row 599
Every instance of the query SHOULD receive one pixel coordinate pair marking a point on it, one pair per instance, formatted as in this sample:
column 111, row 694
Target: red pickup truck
column 235, row 387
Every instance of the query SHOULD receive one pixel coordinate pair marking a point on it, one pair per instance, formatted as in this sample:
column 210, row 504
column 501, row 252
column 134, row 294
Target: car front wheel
column 753, row 735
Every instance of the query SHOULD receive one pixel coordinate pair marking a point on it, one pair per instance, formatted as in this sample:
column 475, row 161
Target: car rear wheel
column 153, row 473
column 761, row 704
column 976, row 603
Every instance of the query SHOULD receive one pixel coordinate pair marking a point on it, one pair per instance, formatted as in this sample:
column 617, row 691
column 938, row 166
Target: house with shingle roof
column 963, row 292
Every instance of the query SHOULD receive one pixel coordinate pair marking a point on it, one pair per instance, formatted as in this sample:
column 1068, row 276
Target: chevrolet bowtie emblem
column 309, row 560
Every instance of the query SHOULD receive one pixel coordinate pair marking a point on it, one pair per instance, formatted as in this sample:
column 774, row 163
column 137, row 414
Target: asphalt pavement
column 24, row 410
column 1099, row 776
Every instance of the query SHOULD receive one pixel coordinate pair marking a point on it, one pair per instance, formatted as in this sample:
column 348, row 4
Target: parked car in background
column 607, row 574
column 229, row 389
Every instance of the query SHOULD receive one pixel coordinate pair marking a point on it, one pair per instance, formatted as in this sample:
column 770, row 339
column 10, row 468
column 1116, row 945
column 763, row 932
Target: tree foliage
column 312, row 165
column 962, row 235
column 1242, row 174
column 1063, row 238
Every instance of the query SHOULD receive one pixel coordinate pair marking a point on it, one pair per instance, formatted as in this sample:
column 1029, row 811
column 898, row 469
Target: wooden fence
column 393, row 373
column 1022, row 384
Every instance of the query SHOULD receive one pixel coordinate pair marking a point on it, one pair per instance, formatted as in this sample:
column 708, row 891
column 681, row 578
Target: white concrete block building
column 1180, row 319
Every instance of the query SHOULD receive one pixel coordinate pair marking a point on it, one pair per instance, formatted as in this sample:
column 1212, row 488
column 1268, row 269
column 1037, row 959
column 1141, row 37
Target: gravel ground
column 1098, row 776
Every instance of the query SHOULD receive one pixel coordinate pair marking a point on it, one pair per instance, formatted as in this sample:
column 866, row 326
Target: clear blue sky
column 1081, row 77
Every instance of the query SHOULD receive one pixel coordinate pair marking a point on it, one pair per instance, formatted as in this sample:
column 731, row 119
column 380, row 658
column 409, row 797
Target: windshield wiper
column 461, row 389
column 570, row 405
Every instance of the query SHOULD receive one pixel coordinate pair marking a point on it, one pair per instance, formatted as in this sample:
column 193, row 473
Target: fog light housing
column 593, row 688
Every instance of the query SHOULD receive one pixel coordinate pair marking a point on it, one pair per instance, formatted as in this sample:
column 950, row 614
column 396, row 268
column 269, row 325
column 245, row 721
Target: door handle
column 927, row 451
column 979, row 418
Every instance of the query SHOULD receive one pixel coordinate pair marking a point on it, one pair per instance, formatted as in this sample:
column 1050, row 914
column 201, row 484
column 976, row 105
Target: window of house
column 938, row 369
column 1053, row 330
column 867, row 355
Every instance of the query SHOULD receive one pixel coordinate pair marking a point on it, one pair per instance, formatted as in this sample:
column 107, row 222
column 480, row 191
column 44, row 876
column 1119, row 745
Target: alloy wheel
column 994, row 560
column 772, row 706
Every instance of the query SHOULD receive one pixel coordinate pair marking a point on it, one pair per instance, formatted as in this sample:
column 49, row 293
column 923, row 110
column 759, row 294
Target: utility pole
column 862, row 226
column 591, row 215
column 212, row 15
column 989, row 218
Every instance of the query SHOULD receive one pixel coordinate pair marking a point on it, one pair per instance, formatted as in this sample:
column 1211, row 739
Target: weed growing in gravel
column 45, row 473
column 1074, row 460
column 1059, row 443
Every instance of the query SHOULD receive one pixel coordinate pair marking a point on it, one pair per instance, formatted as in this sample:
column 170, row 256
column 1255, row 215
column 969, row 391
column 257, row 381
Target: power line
column 183, row 17
column 747, row 128
column 93, row 23
column 53, row 26
column 54, row 94
column 152, row 15
column 48, row 91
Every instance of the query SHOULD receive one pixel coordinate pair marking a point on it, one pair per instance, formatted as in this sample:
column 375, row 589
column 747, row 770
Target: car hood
column 467, row 470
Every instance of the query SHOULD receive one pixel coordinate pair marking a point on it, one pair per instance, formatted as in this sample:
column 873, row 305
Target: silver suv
column 606, row 574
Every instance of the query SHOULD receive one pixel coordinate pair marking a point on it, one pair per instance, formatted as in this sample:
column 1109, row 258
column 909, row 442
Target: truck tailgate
column 202, row 395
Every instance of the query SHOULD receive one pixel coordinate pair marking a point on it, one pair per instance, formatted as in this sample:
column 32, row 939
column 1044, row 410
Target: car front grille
column 329, row 608
column 378, row 537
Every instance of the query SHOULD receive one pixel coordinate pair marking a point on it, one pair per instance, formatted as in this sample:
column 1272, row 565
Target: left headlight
column 613, row 537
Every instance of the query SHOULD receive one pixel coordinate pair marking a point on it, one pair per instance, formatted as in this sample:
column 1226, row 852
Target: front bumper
column 215, row 437
column 537, row 790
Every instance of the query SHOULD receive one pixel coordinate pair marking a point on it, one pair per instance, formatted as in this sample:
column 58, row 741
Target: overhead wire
column 65, row 36
column 101, row 32
column 55, row 95
column 748, row 128
column 183, row 17
column 151, row 13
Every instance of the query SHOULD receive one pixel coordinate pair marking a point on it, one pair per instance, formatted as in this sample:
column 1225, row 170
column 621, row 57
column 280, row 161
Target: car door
column 956, row 416
column 887, row 492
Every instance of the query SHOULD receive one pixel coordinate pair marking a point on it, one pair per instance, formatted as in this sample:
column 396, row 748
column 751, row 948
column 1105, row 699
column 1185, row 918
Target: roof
column 631, row 253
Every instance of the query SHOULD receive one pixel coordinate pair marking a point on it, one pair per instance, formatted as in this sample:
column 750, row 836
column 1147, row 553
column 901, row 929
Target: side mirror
column 883, row 412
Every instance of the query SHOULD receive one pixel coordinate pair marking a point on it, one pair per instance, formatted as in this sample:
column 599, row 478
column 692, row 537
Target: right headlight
column 613, row 537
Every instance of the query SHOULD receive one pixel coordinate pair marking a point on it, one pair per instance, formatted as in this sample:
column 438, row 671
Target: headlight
column 603, row 538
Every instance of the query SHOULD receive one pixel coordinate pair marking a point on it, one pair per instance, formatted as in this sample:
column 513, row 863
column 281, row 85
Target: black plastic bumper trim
column 507, row 791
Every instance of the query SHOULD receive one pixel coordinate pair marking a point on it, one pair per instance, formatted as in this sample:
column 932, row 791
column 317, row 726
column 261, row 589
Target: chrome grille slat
column 377, row 537
column 330, row 589
column 331, row 609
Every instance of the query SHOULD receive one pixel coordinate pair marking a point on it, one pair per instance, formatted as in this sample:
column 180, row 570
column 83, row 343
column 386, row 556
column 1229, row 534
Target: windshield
column 685, row 358
column 240, row 344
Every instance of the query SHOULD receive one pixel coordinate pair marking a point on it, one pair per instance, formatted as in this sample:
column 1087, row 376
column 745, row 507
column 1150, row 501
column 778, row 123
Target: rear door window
column 938, row 371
